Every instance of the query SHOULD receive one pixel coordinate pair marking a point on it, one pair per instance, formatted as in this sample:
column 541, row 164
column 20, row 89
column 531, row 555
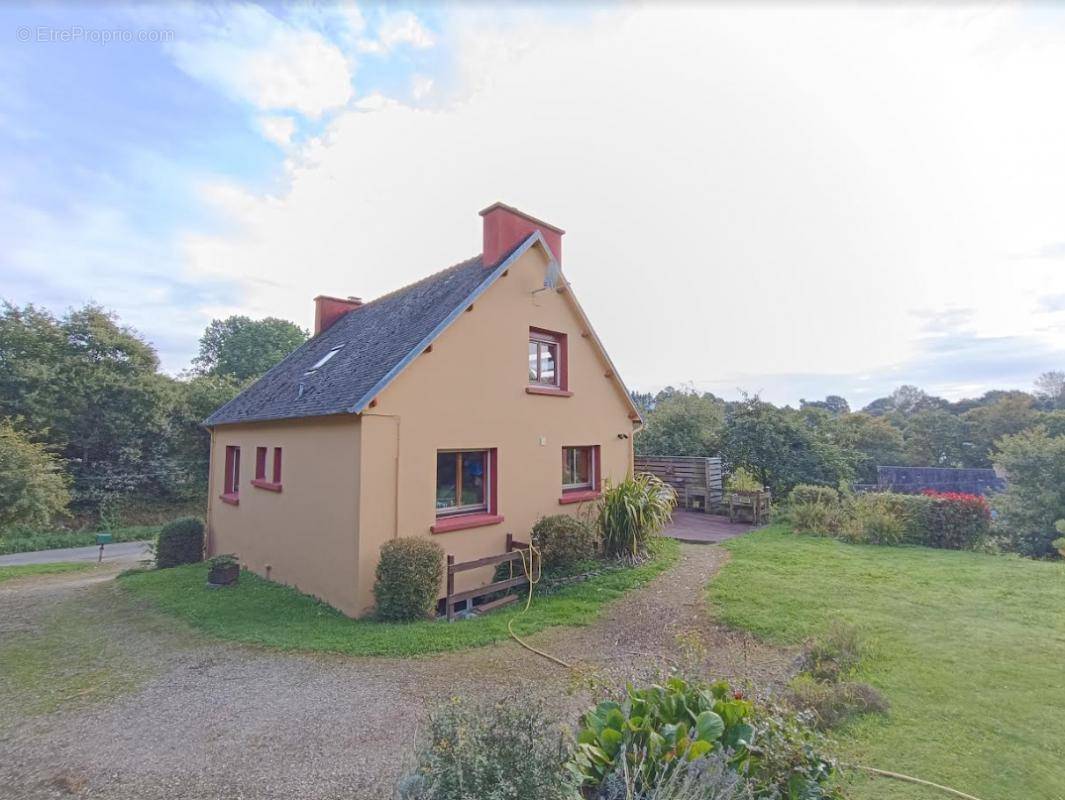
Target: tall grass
column 633, row 511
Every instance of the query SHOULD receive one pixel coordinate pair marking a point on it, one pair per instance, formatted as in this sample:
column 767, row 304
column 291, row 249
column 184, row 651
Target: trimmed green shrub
column 816, row 518
column 633, row 511
column 564, row 540
column 180, row 542
column 870, row 520
column 408, row 579
column 504, row 750
column 811, row 493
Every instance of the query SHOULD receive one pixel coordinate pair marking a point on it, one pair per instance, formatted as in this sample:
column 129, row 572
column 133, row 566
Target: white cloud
column 749, row 193
column 278, row 129
column 399, row 28
column 421, row 86
column 259, row 59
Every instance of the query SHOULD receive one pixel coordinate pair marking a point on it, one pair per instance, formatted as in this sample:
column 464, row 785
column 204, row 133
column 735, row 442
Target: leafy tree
column 91, row 388
column 834, row 404
column 1035, row 495
column 990, row 398
column 780, row 448
column 936, row 438
column 987, row 424
column 189, row 444
column 875, row 441
column 243, row 348
column 904, row 402
column 33, row 488
column 682, row 425
column 1050, row 388
column 645, row 401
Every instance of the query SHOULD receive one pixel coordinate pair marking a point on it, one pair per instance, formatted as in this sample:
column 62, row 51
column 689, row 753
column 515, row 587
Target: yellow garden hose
column 531, row 558
column 910, row 779
column 533, row 573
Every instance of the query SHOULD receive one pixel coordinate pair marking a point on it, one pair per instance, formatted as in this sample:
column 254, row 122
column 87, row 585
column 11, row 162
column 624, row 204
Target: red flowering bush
column 957, row 521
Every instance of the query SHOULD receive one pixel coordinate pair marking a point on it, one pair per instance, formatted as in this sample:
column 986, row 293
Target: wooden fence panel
column 685, row 473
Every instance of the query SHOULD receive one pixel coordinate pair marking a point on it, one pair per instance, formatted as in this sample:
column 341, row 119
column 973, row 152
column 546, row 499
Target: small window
column 543, row 359
column 231, row 479
column 579, row 469
column 547, row 363
column 273, row 483
column 463, row 481
column 321, row 362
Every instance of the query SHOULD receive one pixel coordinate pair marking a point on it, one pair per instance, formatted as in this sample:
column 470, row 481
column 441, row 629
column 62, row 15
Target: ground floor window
column 579, row 468
column 463, row 482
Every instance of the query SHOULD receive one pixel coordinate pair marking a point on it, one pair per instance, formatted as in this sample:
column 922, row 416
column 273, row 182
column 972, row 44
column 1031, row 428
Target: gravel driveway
column 202, row 719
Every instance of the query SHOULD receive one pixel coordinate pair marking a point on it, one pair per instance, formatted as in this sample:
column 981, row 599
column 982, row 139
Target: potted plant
column 225, row 571
column 746, row 494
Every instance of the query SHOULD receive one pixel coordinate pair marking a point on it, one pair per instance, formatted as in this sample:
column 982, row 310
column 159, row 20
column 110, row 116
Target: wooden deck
column 692, row 526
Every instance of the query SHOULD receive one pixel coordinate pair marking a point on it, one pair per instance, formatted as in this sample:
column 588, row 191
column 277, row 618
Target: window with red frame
column 547, row 360
column 261, row 457
column 580, row 469
column 231, row 478
column 463, row 482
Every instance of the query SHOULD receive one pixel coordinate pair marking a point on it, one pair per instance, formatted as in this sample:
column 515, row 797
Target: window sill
column 230, row 499
column 550, row 392
column 578, row 497
column 462, row 521
column 268, row 485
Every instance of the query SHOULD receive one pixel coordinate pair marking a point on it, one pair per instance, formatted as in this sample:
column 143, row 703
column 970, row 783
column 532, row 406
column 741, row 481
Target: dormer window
column 547, row 363
column 321, row 362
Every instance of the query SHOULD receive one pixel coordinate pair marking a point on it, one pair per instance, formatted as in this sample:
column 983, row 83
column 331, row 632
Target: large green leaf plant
column 657, row 728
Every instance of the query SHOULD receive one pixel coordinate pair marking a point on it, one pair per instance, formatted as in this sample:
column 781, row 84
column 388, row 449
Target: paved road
column 124, row 551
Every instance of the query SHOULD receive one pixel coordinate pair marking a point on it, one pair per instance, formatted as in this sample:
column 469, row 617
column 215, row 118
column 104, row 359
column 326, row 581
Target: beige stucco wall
column 304, row 536
column 469, row 392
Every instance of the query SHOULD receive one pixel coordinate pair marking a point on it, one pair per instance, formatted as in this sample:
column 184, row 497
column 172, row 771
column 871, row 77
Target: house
column 462, row 407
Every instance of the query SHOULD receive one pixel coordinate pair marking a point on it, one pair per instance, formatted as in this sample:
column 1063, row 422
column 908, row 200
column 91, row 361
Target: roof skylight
column 322, row 361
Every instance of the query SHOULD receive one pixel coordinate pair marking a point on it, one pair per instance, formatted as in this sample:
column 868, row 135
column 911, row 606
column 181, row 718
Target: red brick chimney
column 505, row 228
column 328, row 310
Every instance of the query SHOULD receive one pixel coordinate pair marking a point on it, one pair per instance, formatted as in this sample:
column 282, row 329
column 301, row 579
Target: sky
column 780, row 199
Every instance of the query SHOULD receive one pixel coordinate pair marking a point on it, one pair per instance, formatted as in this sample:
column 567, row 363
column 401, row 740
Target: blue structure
column 911, row 480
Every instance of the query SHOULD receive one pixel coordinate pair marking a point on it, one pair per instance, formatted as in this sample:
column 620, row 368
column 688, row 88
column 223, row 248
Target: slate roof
column 911, row 480
column 378, row 340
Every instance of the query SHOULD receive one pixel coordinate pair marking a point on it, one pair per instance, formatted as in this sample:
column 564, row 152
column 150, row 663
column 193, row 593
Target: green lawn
column 25, row 570
column 969, row 649
column 260, row 612
column 31, row 541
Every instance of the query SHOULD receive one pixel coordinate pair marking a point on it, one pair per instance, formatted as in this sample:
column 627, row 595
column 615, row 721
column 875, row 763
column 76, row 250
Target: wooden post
column 510, row 542
column 449, row 607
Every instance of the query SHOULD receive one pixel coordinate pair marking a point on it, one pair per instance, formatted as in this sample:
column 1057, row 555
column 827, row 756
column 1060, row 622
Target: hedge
column 180, row 542
column 408, row 579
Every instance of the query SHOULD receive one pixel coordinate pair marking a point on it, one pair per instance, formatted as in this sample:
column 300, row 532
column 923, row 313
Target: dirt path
column 190, row 717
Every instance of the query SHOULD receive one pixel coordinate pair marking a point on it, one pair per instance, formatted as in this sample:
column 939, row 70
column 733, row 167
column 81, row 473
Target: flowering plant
column 957, row 520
